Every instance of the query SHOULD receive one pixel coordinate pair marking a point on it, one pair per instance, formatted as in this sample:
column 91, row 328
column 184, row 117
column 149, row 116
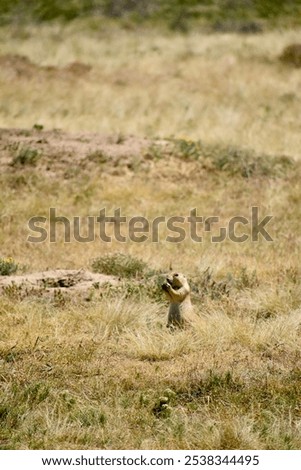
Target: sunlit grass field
column 228, row 87
column 215, row 125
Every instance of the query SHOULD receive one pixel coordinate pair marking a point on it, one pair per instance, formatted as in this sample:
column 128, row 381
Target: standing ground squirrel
column 177, row 290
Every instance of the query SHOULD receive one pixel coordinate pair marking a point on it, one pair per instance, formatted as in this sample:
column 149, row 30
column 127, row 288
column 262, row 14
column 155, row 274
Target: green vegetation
column 229, row 159
column 108, row 374
column 221, row 15
column 26, row 156
column 100, row 369
column 119, row 264
column 291, row 55
column 163, row 122
column 8, row 266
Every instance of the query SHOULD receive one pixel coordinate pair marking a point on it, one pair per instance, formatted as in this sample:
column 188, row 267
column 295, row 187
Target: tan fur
column 177, row 290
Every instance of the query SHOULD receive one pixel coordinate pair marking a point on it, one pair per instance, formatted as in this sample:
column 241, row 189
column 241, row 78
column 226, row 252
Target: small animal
column 177, row 291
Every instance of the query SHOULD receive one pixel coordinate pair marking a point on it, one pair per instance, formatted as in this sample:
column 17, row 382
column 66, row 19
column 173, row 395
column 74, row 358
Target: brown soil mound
column 72, row 280
column 57, row 154
column 17, row 67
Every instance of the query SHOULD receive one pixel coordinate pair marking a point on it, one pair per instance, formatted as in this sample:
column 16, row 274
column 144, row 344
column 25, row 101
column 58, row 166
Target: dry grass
column 224, row 88
column 94, row 373
column 91, row 376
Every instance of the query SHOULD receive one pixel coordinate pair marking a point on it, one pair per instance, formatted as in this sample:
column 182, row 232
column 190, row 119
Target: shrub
column 26, row 156
column 7, row 266
column 188, row 149
column 119, row 264
column 291, row 55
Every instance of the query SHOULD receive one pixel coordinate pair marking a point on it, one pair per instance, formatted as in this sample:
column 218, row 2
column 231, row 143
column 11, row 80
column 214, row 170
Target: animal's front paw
column 166, row 286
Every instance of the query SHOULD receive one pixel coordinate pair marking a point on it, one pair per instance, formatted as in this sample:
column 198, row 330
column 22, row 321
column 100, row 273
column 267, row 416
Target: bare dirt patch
column 64, row 155
column 45, row 283
column 17, row 66
column 60, row 152
column 61, row 278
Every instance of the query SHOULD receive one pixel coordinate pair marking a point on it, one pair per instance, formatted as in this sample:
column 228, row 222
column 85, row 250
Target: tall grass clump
column 119, row 264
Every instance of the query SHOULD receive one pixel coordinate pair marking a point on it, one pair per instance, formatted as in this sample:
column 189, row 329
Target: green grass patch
column 26, row 156
column 119, row 264
column 229, row 159
column 176, row 14
column 8, row 266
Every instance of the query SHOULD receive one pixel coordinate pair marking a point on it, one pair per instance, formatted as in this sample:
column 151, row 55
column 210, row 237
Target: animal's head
column 175, row 282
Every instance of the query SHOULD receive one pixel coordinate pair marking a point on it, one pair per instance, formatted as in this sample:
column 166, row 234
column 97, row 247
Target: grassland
column 94, row 371
column 225, row 88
